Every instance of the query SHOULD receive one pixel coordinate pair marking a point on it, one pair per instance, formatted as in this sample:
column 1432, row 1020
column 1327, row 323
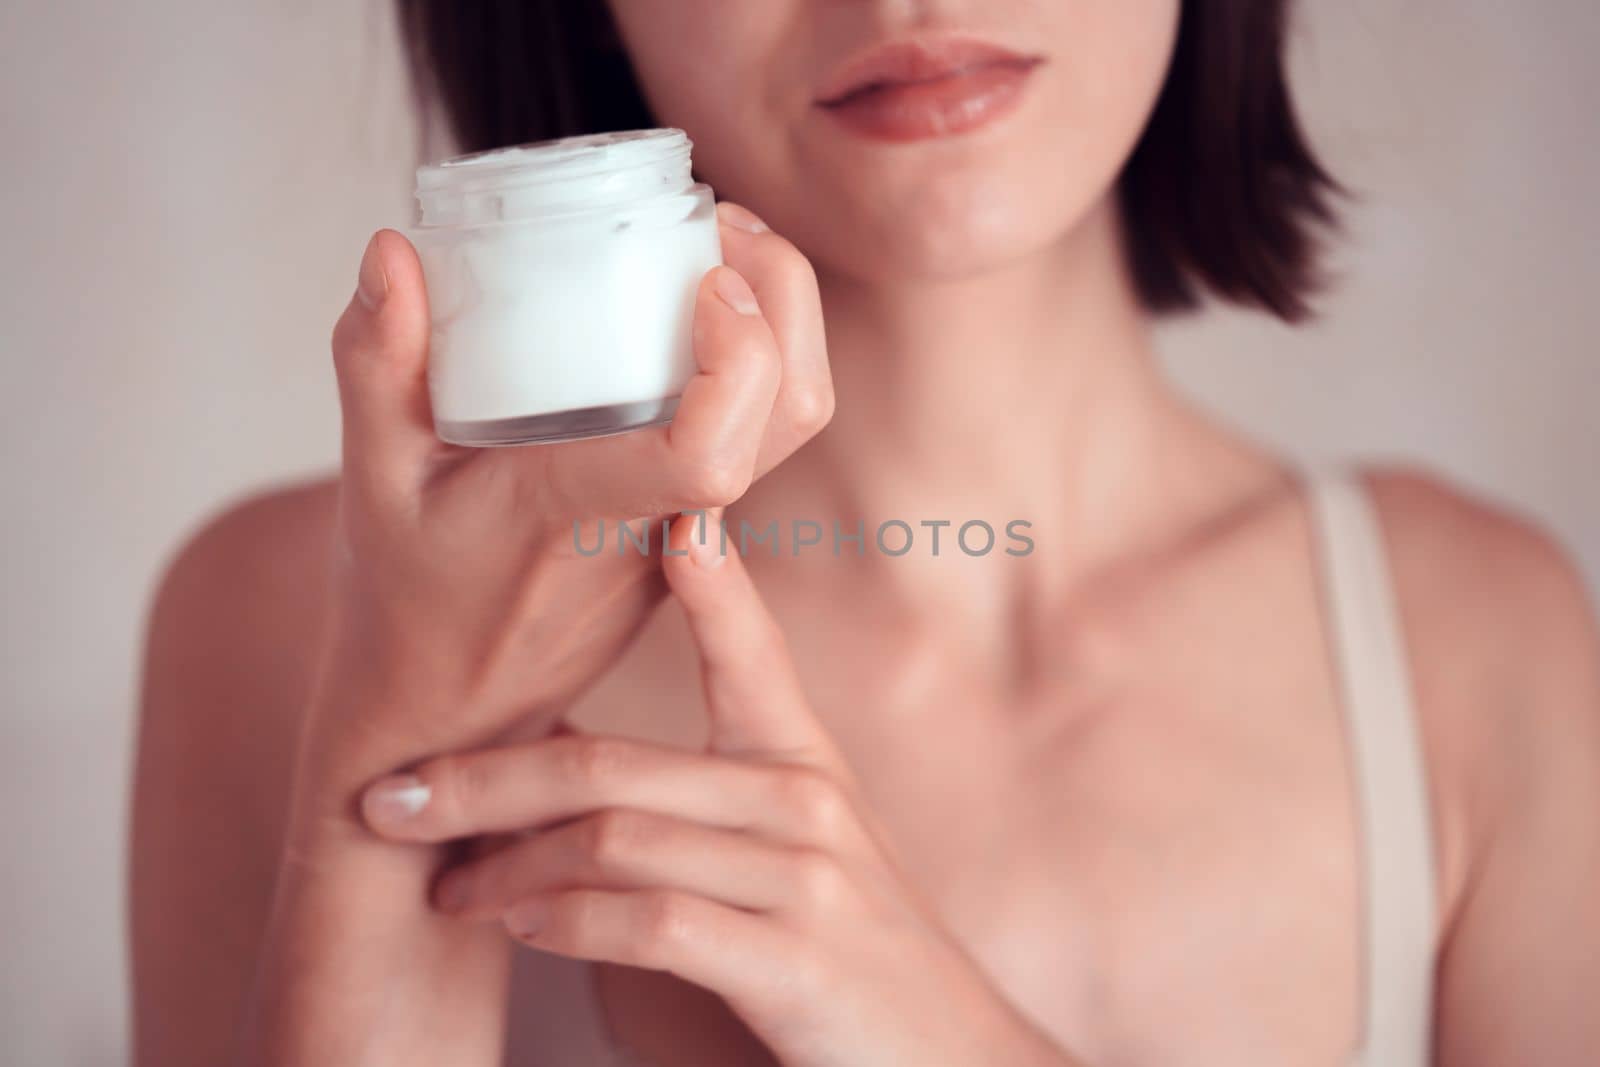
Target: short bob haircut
column 1222, row 194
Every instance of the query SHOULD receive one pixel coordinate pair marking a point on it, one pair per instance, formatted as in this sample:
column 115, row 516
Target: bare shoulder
column 242, row 597
column 228, row 657
column 265, row 537
column 229, row 641
column 1480, row 583
column 234, row 623
column 1504, row 653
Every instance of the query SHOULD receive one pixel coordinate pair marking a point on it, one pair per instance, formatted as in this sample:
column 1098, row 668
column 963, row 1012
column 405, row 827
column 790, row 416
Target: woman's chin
column 922, row 249
column 940, row 227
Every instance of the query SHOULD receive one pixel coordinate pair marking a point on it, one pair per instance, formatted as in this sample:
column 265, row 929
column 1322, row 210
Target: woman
column 1235, row 766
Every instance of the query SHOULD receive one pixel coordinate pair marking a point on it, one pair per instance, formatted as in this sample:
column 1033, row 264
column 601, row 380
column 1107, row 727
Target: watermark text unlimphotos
column 891, row 537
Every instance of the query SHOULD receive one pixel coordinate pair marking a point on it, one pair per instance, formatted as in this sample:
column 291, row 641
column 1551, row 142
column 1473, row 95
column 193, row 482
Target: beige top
column 566, row 1027
column 1391, row 780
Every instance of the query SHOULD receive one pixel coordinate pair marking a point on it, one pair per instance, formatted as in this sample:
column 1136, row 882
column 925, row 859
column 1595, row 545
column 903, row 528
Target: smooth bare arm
column 229, row 640
column 232, row 641
column 1519, row 978
column 453, row 611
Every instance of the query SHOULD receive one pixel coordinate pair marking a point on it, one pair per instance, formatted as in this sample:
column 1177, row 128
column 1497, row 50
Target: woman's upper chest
column 1148, row 846
column 1166, row 875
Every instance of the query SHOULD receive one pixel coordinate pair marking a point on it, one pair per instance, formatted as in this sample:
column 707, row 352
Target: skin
column 1089, row 806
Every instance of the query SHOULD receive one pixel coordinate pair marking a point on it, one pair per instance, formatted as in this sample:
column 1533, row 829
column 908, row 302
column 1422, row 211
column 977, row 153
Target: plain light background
column 188, row 186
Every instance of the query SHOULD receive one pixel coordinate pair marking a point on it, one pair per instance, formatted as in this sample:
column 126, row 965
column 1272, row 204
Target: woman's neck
column 1028, row 393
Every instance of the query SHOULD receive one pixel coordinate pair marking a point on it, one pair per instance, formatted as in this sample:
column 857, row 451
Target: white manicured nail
column 396, row 798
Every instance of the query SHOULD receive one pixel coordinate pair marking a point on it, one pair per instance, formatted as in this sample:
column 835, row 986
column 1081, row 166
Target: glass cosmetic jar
column 561, row 283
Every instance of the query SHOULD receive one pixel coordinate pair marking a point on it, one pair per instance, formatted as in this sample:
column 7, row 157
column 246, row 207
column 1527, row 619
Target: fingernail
column 395, row 799
column 740, row 218
column 372, row 285
column 527, row 919
column 705, row 543
column 452, row 892
column 736, row 292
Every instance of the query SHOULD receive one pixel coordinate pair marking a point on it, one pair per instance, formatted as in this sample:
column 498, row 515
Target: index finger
column 755, row 700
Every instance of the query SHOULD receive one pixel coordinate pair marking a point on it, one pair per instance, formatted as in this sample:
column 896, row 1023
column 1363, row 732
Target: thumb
column 380, row 351
column 754, row 698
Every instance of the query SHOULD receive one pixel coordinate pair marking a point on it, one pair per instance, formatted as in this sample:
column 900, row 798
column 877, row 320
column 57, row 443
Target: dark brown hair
column 1221, row 194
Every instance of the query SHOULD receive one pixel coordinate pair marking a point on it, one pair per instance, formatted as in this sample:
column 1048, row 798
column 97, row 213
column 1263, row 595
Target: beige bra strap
column 1390, row 775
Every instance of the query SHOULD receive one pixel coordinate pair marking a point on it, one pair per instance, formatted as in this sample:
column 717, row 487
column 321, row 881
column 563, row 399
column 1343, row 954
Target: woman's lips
column 912, row 91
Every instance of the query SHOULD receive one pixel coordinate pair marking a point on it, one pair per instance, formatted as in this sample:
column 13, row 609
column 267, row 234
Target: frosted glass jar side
column 546, row 316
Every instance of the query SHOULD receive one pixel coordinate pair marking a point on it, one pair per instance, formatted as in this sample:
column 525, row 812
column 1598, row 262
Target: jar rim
column 555, row 160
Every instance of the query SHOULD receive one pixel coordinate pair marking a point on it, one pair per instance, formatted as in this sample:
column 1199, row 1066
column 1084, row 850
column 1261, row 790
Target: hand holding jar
column 463, row 613
column 462, row 608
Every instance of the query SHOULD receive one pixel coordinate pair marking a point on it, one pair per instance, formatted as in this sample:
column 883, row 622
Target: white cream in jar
column 561, row 283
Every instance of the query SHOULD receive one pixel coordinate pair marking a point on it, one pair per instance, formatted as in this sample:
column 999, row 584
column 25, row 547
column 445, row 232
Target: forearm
column 356, row 967
column 356, row 970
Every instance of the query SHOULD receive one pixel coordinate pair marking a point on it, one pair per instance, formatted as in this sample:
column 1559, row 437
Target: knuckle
column 818, row 882
column 664, row 923
column 717, row 481
column 612, row 836
column 347, row 342
column 796, row 268
column 356, row 342
column 816, row 804
column 810, row 407
column 342, row 339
